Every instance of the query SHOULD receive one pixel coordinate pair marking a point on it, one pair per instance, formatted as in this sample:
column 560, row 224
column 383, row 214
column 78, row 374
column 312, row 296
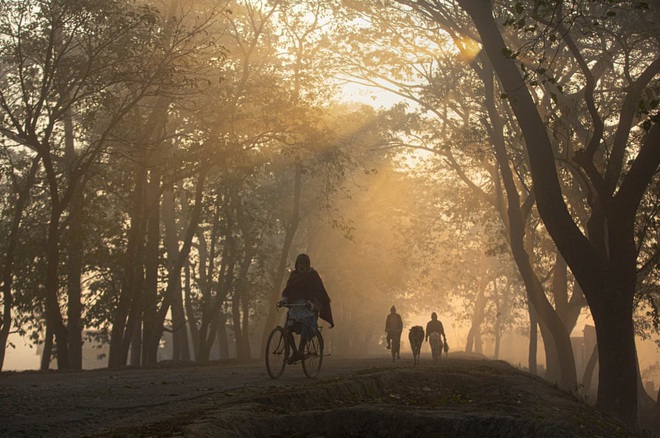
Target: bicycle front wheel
column 276, row 352
column 313, row 356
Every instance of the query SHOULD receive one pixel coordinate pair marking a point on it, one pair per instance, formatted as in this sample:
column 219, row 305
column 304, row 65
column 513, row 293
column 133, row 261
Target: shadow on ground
column 456, row 398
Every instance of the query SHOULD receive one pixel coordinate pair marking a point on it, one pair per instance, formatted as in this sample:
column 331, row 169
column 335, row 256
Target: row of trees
column 158, row 159
column 162, row 163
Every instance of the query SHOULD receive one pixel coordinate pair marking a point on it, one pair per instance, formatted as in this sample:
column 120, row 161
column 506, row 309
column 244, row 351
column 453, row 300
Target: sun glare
column 373, row 96
column 468, row 48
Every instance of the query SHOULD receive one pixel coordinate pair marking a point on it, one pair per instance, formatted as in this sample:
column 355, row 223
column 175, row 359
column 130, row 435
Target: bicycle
column 278, row 349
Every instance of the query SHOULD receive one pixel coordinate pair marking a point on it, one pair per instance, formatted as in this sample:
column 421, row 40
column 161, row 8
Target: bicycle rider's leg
column 292, row 343
column 309, row 329
column 301, row 348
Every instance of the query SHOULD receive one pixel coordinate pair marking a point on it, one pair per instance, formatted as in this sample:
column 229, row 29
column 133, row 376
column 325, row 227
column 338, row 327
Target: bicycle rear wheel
column 277, row 352
column 313, row 356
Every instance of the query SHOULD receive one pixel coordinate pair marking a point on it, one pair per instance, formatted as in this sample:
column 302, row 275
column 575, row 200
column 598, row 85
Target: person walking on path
column 435, row 330
column 393, row 328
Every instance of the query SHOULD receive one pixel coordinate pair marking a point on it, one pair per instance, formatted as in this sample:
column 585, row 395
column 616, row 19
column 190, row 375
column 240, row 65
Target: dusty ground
column 351, row 398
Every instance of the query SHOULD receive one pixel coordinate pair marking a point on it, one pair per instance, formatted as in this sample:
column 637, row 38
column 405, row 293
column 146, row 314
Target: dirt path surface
column 351, row 397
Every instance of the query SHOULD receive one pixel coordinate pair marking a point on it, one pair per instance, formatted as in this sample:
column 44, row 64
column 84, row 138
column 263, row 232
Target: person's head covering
column 392, row 309
column 303, row 263
column 434, row 316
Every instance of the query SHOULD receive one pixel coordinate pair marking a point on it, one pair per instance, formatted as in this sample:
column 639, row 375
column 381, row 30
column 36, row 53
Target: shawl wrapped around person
column 307, row 285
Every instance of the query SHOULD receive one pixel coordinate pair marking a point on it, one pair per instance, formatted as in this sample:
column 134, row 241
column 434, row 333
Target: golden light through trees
column 215, row 141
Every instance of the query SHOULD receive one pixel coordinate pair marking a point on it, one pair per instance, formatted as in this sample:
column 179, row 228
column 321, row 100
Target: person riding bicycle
column 435, row 329
column 305, row 286
column 393, row 327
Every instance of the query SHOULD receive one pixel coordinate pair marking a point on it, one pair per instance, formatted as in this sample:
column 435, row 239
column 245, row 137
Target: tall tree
column 608, row 278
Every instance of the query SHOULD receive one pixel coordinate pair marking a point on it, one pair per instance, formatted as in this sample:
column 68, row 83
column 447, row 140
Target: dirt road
column 351, row 397
column 73, row 404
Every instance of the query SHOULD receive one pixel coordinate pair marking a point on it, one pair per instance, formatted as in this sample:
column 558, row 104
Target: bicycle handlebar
column 288, row 305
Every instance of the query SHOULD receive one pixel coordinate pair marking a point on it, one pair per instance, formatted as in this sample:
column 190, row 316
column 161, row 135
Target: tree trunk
column 53, row 314
column 568, row 309
column 48, row 349
column 240, row 291
column 132, row 268
column 181, row 349
column 192, row 320
column 151, row 263
column 589, row 371
column 533, row 339
column 498, row 339
column 552, row 360
column 226, row 285
column 75, row 249
column 135, row 356
column 51, row 285
column 645, row 402
column 207, row 303
column 221, row 330
column 497, row 325
column 7, row 306
column 206, row 339
column 74, row 279
column 236, row 324
column 618, row 354
column 474, row 335
column 149, row 258
column 245, row 329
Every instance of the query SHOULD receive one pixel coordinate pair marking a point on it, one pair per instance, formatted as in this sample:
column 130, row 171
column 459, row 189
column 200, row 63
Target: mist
column 163, row 164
